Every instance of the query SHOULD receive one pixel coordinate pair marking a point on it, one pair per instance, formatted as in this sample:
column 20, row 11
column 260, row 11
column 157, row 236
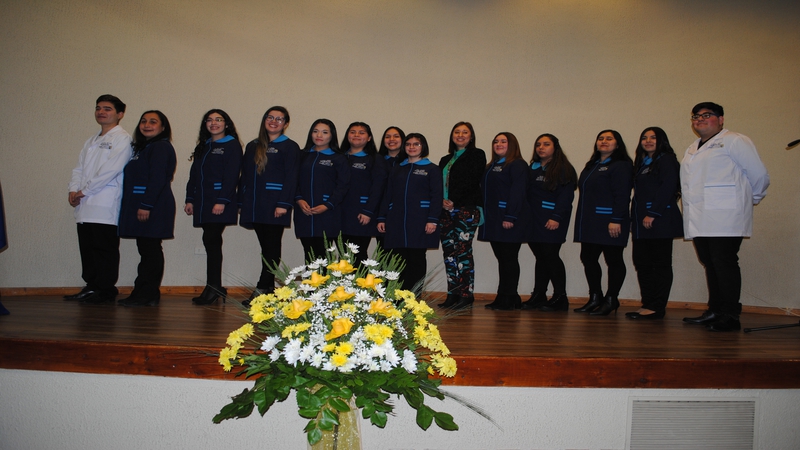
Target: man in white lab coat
column 722, row 177
column 95, row 191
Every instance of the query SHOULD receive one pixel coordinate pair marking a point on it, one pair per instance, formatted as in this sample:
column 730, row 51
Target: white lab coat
column 720, row 183
column 99, row 176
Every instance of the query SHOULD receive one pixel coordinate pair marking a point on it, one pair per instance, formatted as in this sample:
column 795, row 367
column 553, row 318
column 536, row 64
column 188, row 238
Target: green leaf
column 339, row 404
column 308, row 413
column 314, row 436
column 424, row 417
column 328, row 420
column 378, row 419
column 445, row 421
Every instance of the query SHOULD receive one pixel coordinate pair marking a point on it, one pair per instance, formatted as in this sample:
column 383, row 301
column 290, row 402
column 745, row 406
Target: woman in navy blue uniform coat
column 368, row 172
column 148, row 206
column 411, row 208
column 551, row 189
column 211, row 193
column 655, row 220
column 507, row 216
column 266, row 191
column 602, row 221
column 323, row 180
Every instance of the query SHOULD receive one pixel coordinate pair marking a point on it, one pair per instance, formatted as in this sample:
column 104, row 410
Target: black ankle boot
column 464, row 302
column 611, row 303
column 506, row 302
column 498, row 300
column 559, row 302
column 210, row 295
column 451, row 300
column 595, row 300
column 537, row 299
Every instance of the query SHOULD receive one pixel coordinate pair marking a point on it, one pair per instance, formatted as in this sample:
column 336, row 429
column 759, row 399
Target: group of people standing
column 392, row 192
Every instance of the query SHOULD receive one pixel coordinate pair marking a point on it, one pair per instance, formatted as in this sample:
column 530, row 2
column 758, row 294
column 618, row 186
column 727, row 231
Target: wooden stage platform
column 492, row 348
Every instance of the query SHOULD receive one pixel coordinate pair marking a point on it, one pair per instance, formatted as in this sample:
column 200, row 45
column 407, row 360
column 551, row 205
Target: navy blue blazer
column 367, row 183
column 504, row 200
column 147, row 184
column 549, row 205
column 605, row 196
column 413, row 199
column 261, row 193
column 655, row 194
column 213, row 179
column 323, row 178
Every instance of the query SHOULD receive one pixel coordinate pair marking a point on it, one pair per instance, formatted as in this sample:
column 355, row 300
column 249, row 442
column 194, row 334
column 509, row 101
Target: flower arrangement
column 340, row 334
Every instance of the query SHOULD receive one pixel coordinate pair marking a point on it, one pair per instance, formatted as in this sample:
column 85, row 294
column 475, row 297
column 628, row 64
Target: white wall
column 52, row 410
column 570, row 68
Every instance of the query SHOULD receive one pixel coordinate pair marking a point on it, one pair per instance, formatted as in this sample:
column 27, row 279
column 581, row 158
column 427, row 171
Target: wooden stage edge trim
column 244, row 292
column 487, row 371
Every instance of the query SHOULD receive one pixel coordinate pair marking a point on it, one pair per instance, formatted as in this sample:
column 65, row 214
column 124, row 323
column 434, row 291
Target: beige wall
column 567, row 67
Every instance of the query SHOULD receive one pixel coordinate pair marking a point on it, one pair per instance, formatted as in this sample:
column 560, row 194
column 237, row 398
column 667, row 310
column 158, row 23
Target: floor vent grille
column 692, row 424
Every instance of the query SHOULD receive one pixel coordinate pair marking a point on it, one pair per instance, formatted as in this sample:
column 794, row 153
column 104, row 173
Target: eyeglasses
column 414, row 144
column 703, row 116
column 276, row 119
column 215, row 119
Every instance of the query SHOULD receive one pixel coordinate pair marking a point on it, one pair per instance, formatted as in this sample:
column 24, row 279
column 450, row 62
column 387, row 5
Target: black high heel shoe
column 636, row 315
column 507, row 303
column 559, row 302
column 595, row 300
column 611, row 303
column 210, row 295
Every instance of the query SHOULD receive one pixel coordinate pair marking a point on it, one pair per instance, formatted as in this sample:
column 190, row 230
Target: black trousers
column 720, row 257
column 590, row 256
column 549, row 268
column 270, row 238
column 212, row 240
column 150, row 270
column 507, row 254
column 315, row 244
column 416, row 267
column 99, row 247
column 363, row 247
column 652, row 259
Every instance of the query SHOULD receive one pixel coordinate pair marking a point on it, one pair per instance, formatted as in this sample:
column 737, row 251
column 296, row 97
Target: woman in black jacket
column 148, row 206
column 655, row 220
column 211, row 193
column 462, row 170
column 602, row 221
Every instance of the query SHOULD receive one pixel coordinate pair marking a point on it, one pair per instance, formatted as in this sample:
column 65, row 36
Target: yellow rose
column 297, row 308
column 342, row 266
column 370, row 282
column 380, row 307
column 316, row 279
column 340, row 295
column 339, row 327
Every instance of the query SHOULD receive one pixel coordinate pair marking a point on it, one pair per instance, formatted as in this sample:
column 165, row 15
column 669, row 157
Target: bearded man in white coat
column 95, row 191
column 722, row 177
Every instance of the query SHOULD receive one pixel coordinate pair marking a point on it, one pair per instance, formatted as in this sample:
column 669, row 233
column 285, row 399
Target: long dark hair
column 384, row 151
column 205, row 135
column 334, row 144
column 559, row 170
column 140, row 141
column 262, row 143
column 470, row 145
column 369, row 149
column 620, row 153
column 513, row 152
column 662, row 147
